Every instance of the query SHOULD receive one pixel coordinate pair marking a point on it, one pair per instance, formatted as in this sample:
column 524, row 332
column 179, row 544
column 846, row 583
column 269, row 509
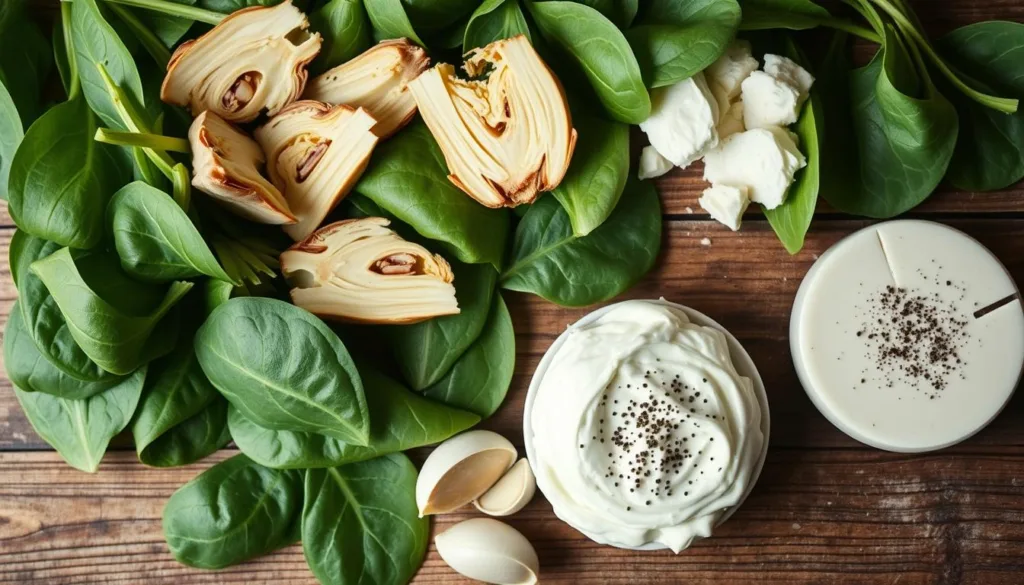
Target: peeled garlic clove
column 359, row 271
column 460, row 469
column 225, row 165
column 490, row 551
column 254, row 60
column 377, row 81
column 505, row 138
column 513, row 491
column 315, row 154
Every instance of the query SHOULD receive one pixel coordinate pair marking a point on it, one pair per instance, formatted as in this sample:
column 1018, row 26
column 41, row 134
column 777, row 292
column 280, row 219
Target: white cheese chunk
column 726, row 204
column 732, row 121
column 652, row 164
column 768, row 101
column 787, row 71
column 725, row 75
column 764, row 160
column 683, row 120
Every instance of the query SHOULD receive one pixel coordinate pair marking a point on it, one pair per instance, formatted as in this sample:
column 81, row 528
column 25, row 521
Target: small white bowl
column 741, row 359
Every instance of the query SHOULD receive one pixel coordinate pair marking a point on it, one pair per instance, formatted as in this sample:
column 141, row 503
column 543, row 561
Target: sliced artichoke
column 226, row 165
column 377, row 80
column 254, row 60
column 315, row 155
column 505, row 138
column 359, row 271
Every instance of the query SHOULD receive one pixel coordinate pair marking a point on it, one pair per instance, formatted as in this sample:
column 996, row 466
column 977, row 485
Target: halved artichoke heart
column 254, row 60
column 505, row 138
column 376, row 80
column 359, row 271
column 226, row 165
column 315, row 155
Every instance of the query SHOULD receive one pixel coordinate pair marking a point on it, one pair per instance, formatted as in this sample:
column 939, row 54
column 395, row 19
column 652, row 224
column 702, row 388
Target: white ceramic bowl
column 741, row 359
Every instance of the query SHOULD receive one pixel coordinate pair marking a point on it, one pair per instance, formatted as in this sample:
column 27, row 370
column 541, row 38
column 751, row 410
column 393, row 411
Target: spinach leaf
column 61, row 179
column 11, row 133
column 229, row 6
column 549, row 261
column 399, row 420
column 494, row 20
column 80, row 430
column 390, row 21
column 597, row 174
column 181, row 418
column 621, row 12
column 425, row 351
column 408, row 178
column 232, row 512
column 96, row 43
column 114, row 319
column 432, row 15
column 990, row 148
column 599, row 48
column 215, row 294
column 479, row 381
column 345, row 30
column 360, row 523
column 169, row 29
column 283, row 368
column 792, row 219
column 902, row 143
column 155, row 238
column 675, row 40
column 25, row 60
column 791, row 14
column 31, row 371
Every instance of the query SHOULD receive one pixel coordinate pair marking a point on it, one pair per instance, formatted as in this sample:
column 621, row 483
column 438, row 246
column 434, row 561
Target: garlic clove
column 461, row 469
column 488, row 550
column 513, row 491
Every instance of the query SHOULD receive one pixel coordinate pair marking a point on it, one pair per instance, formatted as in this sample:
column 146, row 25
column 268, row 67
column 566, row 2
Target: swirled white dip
column 643, row 431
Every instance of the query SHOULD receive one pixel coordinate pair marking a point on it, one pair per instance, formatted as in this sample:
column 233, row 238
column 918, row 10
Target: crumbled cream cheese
column 683, row 120
column 764, row 160
column 652, row 164
column 726, row 204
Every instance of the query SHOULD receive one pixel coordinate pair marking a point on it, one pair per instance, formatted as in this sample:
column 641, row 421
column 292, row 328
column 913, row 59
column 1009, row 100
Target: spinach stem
column 856, row 30
column 154, row 46
column 182, row 189
column 1005, row 105
column 142, row 140
column 174, row 9
column 75, row 84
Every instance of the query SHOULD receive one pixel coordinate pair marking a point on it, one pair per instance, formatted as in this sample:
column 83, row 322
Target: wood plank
column 851, row 516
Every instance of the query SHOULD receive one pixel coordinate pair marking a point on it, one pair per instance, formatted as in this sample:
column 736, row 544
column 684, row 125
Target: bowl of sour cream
column 646, row 425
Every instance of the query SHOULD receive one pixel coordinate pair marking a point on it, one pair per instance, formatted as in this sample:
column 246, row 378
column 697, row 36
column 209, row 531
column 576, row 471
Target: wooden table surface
column 826, row 509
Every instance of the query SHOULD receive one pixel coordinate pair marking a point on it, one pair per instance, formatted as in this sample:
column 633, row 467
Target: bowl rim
column 742, row 361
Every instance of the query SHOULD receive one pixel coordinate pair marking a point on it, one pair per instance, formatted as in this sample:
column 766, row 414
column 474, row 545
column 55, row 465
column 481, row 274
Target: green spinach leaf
column 408, row 178
column 156, row 239
column 229, row 6
column 791, row 14
column 425, row 351
column 114, row 319
column 283, row 368
column 11, row 133
column 80, row 430
column 433, row 15
column 360, row 523
column 61, row 179
column 494, row 20
column 169, row 29
column 390, row 21
column 597, row 45
column 192, row 440
column 675, row 40
column 399, row 420
column 990, row 148
column 233, row 512
column 480, row 379
column 621, row 12
column 549, row 261
column 345, row 30
column 25, row 61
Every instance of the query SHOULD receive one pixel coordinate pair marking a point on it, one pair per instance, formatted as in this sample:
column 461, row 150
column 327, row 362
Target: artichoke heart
column 226, row 165
column 254, row 60
column 359, row 271
column 505, row 138
column 377, row 80
column 315, row 154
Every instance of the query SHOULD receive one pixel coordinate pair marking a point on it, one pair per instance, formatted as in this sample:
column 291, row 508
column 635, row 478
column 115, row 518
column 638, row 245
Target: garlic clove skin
column 513, row 491
column 461, row 469
column 488, row 550
column 225, row 165
column 253, row 61
column 377, row 80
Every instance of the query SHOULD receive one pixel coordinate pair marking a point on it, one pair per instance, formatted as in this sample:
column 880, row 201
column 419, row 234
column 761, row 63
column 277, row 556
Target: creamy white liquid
column 886, row 401
column 643, row 431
